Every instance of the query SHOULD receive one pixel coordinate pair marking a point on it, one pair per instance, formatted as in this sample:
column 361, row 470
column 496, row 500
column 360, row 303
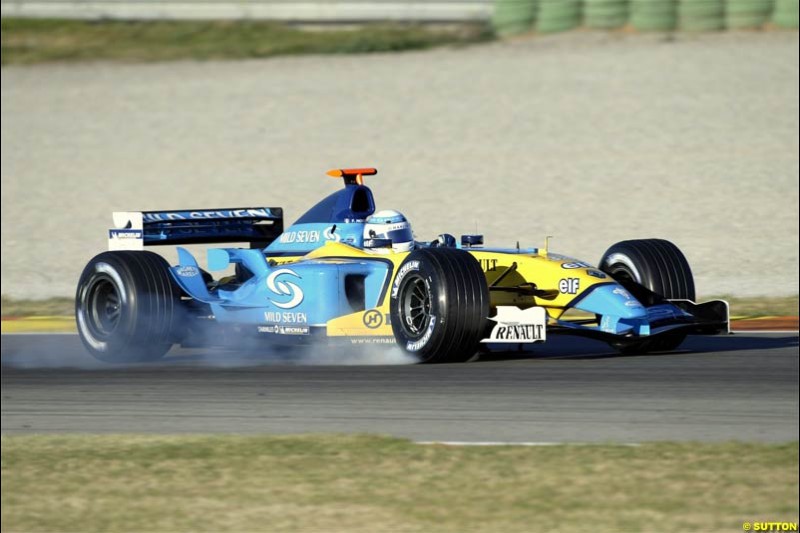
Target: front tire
column 439, row 305
column 127, row 307
column 661, row 268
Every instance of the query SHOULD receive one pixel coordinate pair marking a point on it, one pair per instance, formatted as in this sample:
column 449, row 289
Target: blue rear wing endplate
column 258, row 226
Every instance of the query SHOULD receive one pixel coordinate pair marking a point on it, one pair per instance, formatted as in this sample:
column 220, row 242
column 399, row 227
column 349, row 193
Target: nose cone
column 613, row 300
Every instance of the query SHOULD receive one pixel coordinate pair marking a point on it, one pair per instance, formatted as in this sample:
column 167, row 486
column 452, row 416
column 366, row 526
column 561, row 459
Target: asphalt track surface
column 738, row 387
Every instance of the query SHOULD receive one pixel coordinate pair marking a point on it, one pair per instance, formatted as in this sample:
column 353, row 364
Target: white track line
column 502, row 443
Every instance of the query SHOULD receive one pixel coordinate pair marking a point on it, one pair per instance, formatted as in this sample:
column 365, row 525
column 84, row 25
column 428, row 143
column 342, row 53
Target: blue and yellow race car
column 346, row 272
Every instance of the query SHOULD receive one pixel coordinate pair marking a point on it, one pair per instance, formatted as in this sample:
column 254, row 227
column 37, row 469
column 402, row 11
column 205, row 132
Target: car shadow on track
column 66, row 351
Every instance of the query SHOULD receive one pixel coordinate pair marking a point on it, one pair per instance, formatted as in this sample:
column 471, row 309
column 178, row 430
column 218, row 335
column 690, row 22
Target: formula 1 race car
column 344, row 272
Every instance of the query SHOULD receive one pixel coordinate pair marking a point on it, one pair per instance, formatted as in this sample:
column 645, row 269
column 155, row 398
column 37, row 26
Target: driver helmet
column 390, row 224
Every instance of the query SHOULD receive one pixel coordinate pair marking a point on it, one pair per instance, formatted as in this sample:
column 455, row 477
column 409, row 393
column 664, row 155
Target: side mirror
column 445, row 240
column 471, row 240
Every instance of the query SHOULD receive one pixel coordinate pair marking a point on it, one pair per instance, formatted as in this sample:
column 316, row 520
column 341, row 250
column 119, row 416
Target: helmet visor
column 399, row 235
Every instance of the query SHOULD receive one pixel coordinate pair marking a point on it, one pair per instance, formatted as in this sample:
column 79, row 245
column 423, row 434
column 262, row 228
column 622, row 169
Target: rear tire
column 128, row 307
column 439, row 305
column 658, row 266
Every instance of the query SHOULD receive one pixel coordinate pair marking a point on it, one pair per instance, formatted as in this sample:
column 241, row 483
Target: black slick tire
column 439, row 305
column 128, row 307
column 661, row 268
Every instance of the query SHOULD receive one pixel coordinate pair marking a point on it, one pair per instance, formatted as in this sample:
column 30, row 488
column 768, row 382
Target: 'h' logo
column 373, row 319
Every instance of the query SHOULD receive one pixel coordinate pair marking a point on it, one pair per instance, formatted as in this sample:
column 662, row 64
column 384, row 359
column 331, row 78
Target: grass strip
column 369, row 483
column 30, row 41
column 762, row 305
column 50, row 307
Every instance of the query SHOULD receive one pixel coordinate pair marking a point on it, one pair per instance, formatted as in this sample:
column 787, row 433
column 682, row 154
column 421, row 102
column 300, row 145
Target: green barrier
column 653, row 15
column 558, row 15
column 547, row 16
column 785, row 14
column 513, row 16
column 747, row 13
column 701, row 15
column 605, row 14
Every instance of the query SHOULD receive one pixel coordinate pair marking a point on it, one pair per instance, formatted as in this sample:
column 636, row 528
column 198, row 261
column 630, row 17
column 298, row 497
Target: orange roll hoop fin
column 342, row 172
column 352, row 175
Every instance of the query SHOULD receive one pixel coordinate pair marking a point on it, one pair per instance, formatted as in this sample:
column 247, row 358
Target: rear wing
column 133, row 230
